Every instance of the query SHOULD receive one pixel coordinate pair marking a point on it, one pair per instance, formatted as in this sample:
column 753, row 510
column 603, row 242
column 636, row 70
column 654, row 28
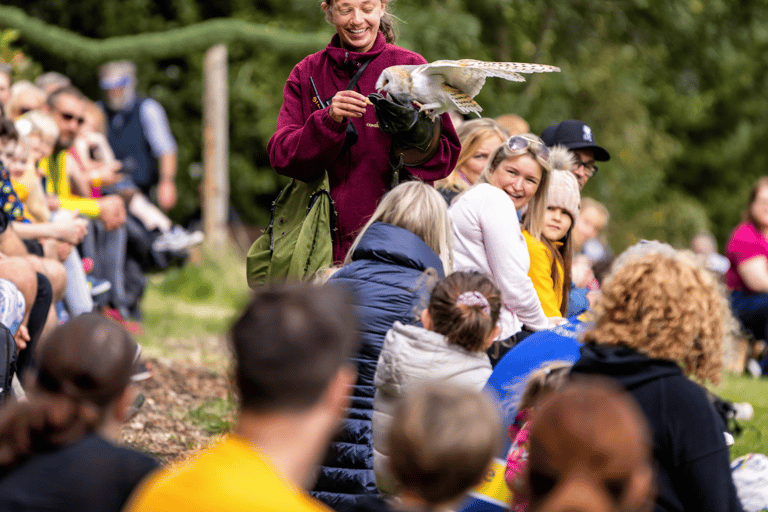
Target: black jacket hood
column 626, row 365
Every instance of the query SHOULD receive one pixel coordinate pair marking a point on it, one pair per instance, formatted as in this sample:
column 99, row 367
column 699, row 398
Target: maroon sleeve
column 303, row 146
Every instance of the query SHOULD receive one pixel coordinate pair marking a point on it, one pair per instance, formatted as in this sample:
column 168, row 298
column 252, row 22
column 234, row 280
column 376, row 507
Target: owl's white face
column 356, row 21
column 384, row 81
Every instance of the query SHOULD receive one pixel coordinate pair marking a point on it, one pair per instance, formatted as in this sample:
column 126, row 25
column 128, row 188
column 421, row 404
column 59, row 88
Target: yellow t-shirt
column 541, row 275
column 57, row 183
column 232, row 476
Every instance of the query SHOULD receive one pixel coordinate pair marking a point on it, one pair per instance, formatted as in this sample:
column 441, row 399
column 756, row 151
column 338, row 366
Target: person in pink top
column 313, row 127
column 747, row 278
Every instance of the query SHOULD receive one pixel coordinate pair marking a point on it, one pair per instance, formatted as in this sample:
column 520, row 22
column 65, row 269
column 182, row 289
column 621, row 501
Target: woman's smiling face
column 475, row 164
column 356, row 21
column 519, row 177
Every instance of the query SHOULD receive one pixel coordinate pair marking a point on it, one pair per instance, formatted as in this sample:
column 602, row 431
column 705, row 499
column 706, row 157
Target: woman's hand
column 554, row 321
column 347, row 104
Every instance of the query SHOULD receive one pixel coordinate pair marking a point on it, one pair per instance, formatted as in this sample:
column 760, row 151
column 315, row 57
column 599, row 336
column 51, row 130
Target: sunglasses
column 69, row 117
column 518, row 143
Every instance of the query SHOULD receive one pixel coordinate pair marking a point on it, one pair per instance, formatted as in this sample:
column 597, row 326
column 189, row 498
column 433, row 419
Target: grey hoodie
column 410, row 356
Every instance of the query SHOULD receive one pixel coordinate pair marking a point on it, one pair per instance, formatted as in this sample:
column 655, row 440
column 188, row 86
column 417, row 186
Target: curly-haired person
column 661, row 320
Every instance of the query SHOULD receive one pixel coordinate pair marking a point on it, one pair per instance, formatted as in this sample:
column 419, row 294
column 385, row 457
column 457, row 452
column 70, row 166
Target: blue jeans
column 752, row 311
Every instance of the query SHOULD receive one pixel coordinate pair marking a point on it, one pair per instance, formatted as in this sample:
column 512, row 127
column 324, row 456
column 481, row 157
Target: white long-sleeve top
column 488, row 240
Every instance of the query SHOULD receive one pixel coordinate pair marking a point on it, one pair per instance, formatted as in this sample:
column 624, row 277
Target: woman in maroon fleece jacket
column 310, row 139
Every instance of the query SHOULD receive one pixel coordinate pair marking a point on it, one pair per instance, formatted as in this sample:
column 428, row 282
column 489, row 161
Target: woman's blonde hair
column 386, row 24
column 41, row 124
column 443, row 439
column 19, row 91
column 665, row 307
column 534, row 214
column 471, row 135
column 420, row 209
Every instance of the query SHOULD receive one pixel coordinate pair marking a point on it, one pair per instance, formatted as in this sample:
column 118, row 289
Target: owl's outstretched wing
column 468, row 75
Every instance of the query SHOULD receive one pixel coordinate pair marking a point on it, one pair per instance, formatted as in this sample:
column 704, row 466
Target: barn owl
column 446, row 85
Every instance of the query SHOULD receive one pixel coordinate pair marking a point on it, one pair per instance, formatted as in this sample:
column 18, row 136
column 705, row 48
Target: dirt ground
column 162, row 427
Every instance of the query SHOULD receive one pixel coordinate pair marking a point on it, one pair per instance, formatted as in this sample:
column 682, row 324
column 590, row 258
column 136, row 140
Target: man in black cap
column 577, row 136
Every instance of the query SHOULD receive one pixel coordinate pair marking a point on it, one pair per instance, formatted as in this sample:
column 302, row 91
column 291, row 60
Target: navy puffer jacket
column 386, row 276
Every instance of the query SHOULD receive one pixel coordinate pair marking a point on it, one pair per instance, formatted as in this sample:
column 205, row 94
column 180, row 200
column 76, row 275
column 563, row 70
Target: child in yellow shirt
column 551, row 255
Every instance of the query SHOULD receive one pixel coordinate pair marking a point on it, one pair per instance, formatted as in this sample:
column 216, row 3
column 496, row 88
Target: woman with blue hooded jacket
column 401, row 251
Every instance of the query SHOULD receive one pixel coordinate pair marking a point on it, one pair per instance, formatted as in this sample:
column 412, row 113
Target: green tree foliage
column 671, row 89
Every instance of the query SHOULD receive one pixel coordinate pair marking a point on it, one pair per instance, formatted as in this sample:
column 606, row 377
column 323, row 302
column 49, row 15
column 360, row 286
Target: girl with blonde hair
column 388, row 269
column 488, row 237
column 552, row 253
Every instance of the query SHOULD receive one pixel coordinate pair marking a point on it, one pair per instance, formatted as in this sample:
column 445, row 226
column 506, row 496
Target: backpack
column 299, row 239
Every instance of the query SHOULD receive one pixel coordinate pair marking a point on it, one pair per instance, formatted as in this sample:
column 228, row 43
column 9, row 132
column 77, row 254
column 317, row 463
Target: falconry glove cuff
column 415, row 136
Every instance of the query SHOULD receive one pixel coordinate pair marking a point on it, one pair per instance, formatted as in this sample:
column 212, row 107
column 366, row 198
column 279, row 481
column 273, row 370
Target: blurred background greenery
column 672, row 89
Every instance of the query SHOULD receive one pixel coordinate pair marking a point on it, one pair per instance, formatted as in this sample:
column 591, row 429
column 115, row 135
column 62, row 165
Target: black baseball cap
column 574, row 134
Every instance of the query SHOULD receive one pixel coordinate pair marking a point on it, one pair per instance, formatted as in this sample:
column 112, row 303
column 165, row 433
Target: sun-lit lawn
column 754, row 439
column 188, row 310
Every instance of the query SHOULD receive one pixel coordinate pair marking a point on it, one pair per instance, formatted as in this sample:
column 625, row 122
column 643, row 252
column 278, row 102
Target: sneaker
column 753, row 367
column 743, row 411
column 61, row 313
column 132, row 327
column 177, row 239
column 98, row 286
column 141, row 369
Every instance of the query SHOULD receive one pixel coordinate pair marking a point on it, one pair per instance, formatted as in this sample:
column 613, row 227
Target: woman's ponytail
column 388, row 28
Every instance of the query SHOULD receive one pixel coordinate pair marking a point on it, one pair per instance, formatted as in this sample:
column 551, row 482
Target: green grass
column 214, row 416
column 188, row 310
column 754, row 438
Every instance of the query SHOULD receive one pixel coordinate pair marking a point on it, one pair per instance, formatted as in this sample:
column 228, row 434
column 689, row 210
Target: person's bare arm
column 67, row 228
column 754, row 273
column 166, row 189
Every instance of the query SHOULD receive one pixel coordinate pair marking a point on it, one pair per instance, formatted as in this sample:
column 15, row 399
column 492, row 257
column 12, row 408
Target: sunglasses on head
column 521, row 142
column 68, row 117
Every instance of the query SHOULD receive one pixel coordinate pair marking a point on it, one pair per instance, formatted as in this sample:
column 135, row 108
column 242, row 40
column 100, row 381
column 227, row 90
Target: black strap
column 351, row 135
column 352, row 83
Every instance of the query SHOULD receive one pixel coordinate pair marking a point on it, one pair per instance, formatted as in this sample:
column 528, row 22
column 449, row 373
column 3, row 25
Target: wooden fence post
column 215, row 146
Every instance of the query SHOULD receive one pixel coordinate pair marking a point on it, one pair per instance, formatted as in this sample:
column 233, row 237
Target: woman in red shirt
column 312, row 127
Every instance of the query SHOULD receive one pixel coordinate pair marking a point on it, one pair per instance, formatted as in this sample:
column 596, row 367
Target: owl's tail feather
column 464, row 103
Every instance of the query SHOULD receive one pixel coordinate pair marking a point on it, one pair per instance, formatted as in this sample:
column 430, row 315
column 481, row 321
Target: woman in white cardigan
column 460, row 323
column 488, row 237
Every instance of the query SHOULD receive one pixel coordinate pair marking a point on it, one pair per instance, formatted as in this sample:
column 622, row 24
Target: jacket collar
column 391, row 244
column 630, row 367
column 342, row 56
